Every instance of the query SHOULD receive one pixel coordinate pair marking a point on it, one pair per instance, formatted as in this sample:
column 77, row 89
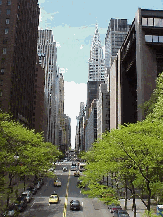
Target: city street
column 39, row 205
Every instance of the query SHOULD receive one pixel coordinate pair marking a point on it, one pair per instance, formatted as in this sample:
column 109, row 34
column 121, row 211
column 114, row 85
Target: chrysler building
column 96, row 60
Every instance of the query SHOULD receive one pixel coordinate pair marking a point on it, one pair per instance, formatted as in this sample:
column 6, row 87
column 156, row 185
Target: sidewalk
column 18, row 188
column 140, row 207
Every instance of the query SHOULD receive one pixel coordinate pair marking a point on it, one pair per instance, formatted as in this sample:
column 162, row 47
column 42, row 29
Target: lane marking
column 66, row 196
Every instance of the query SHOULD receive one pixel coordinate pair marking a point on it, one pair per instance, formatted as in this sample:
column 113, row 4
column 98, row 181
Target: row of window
column 157, row 22
column 8, row 2
column 154, row 38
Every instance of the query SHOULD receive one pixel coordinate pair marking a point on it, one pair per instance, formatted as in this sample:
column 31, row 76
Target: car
column 116, row 207
column 57, row 183
column 27, row 195
column 54, row 198
column 32, row 189
column 20, row 203
column 77, row 173
column 124, row 215
column 65, row 169
column 11, row 211
column 73, row 168
column 74, row 205
column 118, row 213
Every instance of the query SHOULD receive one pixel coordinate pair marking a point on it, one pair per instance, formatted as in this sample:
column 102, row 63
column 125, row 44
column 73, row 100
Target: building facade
column 47, row 52
column 103, row 110
column 137, row 65
column 96, row 60
column 91, row 128
column 116, row 33
column 19, row 22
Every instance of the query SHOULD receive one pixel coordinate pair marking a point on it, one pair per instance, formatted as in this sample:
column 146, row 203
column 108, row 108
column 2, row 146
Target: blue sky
column 73, row 25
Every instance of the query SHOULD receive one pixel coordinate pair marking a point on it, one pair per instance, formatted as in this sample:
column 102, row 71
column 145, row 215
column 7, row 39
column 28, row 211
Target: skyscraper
column 18, row 50
column 96, row 60
column 116, row 33
column 47, row 52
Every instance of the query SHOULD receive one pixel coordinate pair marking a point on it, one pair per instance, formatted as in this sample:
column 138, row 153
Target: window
column 9, row 2
column 7, row 21
column 0, row 11
column 0, row 2
column 8, row 12
column 144, row 21
column 0, row 92
column 150, row 21
column 4, row 50
column 6, row 31
column 158, row 22
column 1, row 82
column 2, row 71
column 161, row 39
column 155, row 38
column 148, row 38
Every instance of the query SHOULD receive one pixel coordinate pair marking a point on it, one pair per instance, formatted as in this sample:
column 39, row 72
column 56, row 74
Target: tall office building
column 19, row 20
column 47, row 52
column 96, row 60
column 139, row 61
column 116, row 33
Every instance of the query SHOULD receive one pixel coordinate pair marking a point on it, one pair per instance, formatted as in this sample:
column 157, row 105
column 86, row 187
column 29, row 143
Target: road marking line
column 66, row 196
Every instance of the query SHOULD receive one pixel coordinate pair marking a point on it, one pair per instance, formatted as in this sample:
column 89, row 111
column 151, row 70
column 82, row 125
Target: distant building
column 91, row 128
column 116, row 33
column 18, row 50
column 96, row 60
column 103, row 110
column 39, row 116
column 47, row 52
column 92, row 93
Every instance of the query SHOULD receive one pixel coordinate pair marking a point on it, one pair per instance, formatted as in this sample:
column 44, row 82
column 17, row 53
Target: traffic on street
column 50, row 198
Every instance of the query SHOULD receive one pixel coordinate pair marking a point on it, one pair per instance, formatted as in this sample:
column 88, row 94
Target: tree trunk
column 149, row 196
column 133, row 204
column 112, row 180
column 107, row 181
column 24, row 182
column 10, row 189
column 125, row 194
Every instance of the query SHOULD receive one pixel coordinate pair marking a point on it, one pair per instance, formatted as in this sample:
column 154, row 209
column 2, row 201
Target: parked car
column 20, row 203
column 11, row 211
column 54, row 198
column 65, row 169
column 27, row 195
column 57, row 183
column 116, row 207
column 74, row 205
column 119, row 212
column 32, row 189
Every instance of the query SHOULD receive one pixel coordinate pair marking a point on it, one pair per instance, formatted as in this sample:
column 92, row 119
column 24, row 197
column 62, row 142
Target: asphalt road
column 39, row 206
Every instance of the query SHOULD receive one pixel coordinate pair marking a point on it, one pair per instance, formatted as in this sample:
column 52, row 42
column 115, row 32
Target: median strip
column 66, row 196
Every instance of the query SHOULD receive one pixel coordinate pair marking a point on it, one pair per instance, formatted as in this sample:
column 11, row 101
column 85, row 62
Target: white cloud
column 74, row 94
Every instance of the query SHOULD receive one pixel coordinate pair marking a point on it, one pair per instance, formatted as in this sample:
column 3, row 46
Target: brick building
column 19, row 20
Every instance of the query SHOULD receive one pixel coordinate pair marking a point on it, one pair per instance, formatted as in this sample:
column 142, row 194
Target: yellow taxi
column 53, row 198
